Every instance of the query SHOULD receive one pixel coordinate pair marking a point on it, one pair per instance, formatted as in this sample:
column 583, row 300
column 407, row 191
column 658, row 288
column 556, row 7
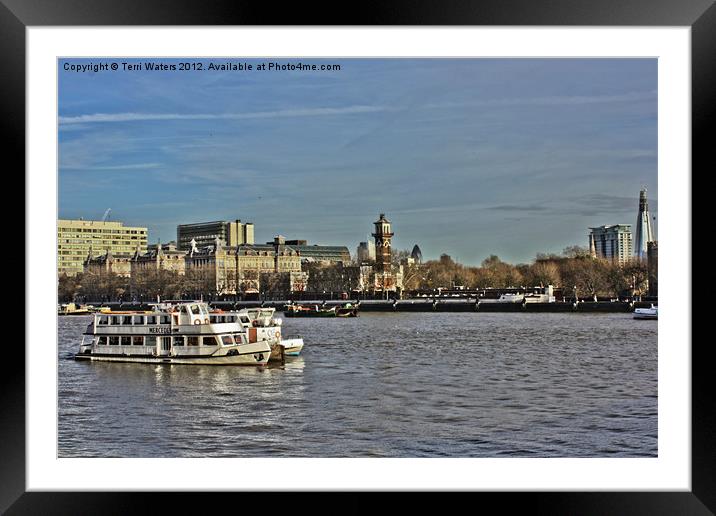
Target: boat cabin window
column 178, row 341
column 244, row 319
column 115, row 319
column 192, row 341
column 138, row 319
column 151, row 319
column 239, row 338
column 126, row 341
column 102, row 341
column 195, row 309
column 114, row 341
column 103, row 319
column 209, row 341
column 227, row 340
column 150, row 341
column 164, row 319
column 127, row 319
column 137, row 341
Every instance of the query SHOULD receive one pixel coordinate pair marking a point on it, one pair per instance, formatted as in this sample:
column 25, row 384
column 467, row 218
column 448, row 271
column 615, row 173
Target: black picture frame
column 700, row 15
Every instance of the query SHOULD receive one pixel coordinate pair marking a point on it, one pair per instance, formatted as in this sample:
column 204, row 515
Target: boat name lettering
column 160, row 330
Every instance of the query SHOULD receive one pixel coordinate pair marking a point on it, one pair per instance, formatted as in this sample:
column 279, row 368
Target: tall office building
column 612, row 242
column 417, row 254
column 644, row 233
column 205, row 233
column 366, row 252
column 76, row 238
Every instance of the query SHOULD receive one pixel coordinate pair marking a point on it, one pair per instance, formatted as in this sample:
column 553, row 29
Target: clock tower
column 382, row 235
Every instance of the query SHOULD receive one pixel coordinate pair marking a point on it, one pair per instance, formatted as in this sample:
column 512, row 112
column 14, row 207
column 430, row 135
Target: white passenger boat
column 646, row 313
column 181, row 333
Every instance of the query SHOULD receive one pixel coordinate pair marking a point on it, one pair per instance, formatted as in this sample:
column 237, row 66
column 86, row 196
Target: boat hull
column 253, row 359
column 286, row 348
column 251, row 355
column 292, row 347
column 309, row 313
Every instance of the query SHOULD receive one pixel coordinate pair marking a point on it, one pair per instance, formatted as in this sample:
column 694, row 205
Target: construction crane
column 106, row 214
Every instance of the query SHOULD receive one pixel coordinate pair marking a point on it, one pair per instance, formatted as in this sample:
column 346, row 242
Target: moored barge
column 296, row 310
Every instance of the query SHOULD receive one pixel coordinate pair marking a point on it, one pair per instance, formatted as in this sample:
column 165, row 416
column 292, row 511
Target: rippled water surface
column 382, row 385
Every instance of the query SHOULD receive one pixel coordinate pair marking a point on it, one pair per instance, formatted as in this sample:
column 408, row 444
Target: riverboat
column 73, row 309
column 309, row 311
column 183, row 333
column 296, row 310
column 347, row 310
column 646, row 313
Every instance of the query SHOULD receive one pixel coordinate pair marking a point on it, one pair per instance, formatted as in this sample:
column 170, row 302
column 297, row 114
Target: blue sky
column 468, row 157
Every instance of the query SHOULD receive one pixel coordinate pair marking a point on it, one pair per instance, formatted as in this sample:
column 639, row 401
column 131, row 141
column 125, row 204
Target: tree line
column 144, row 286
column 574, row 268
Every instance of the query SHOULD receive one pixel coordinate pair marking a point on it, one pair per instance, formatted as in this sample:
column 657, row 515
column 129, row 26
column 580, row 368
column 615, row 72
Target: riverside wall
column 426, row 305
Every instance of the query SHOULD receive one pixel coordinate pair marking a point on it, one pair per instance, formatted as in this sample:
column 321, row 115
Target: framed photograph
column 454, row 211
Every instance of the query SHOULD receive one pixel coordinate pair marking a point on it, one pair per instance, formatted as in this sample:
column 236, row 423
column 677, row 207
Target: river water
column 382, row 385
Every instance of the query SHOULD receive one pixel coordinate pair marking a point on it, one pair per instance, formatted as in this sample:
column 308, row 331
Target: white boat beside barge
column 646, row 313
column 267, row 328
column 186, row 333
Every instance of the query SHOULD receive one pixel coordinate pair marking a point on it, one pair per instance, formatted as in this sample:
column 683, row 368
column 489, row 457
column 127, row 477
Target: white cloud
column 135, row 166
column 134, row 117
column 633, row 96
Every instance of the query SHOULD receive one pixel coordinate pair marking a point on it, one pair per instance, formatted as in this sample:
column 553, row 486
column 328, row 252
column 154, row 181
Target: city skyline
column 469, row 157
